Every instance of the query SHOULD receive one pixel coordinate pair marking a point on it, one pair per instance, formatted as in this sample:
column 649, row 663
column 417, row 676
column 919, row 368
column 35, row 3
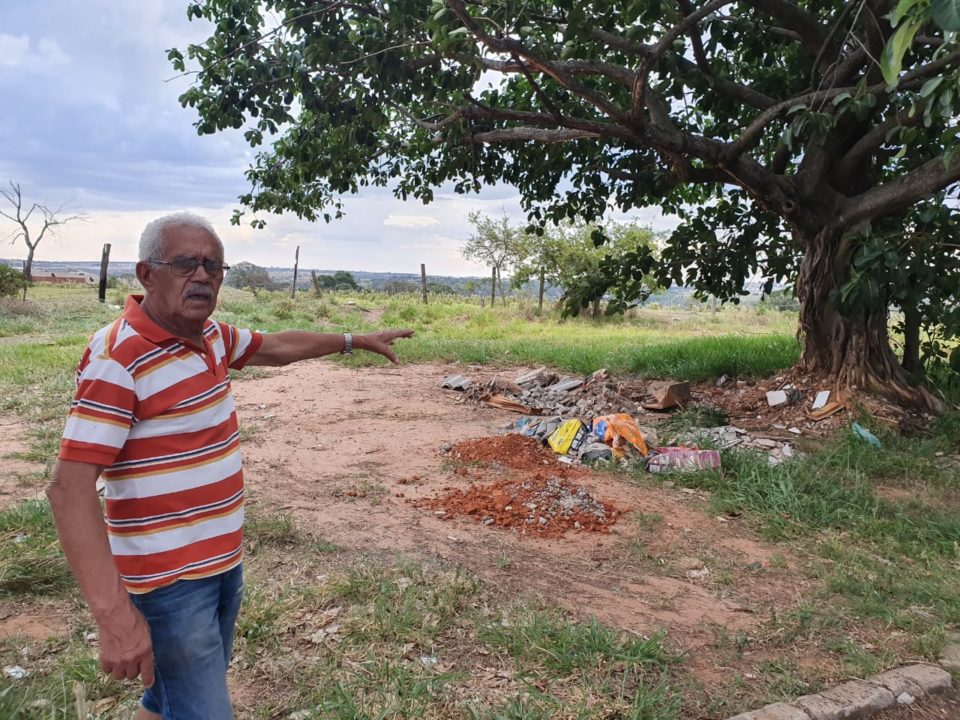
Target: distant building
column 63, row 277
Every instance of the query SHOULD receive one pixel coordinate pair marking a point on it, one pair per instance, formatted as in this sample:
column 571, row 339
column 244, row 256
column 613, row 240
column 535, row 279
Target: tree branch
column 874, row 138
column 536, row 134
column 574, row 67
column 794, row 18
column 900, row 193
column 510, row 46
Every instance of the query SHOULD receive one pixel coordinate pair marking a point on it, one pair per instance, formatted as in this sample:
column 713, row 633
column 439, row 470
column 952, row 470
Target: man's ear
column 145, row 272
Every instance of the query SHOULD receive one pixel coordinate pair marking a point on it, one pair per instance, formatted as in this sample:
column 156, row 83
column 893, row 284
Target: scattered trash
column 428, row 661
column 683, row 459
column 698, row 574
column 861, row 432
column 723, row 381
column 618, row 431
column 455, row 382
column 595, row 452
column 668, row 394
column 820, row 400
column 568, row 438
column 15, row 671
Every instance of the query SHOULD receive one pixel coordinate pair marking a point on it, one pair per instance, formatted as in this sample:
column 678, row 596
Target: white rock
column 905, row 698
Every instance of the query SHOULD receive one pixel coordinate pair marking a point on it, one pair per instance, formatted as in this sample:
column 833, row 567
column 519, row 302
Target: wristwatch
column 347, row 344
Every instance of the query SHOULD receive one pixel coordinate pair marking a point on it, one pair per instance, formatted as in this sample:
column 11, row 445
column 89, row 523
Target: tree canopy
column 794, row 140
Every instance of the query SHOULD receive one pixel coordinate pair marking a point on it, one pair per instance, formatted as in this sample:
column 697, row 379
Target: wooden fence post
column 296, row 263
column 104, row 262
column 423, row 281
column 316, row 282
column 493, row 285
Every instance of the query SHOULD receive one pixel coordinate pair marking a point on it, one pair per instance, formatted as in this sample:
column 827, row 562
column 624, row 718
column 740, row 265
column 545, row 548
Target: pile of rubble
column 542, row 392
column 771, row 420
column 542, row 505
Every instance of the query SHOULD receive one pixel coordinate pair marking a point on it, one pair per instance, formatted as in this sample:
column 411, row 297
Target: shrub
column 11, row 281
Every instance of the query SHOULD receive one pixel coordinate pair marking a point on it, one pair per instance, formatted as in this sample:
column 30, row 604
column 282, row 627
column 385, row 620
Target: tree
column 496, row 243
column 782, row 133
column 575, row 255
column 340, row 280
column 247, row 275
column 48, row 221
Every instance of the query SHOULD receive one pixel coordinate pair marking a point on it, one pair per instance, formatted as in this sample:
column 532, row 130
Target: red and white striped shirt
column 158, row 414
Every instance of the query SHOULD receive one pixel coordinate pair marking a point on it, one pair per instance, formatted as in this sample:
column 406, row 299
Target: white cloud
column 410, row 221
column 13, row 49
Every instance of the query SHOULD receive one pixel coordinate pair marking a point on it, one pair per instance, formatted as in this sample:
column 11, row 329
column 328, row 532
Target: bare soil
column 384, row 460
column 357, row 456
column 15, row 484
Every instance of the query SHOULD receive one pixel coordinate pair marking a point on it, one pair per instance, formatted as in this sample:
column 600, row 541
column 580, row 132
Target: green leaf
column 902, row 8
column 946, row 14
column 930, row 85
column 891, row 61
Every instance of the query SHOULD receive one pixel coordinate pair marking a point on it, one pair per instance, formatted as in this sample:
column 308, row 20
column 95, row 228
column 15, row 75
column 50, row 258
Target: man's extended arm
column 283, row 348
column 125, row 647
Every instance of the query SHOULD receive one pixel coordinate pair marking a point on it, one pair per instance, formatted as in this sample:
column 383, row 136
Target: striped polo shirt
column 158, row 414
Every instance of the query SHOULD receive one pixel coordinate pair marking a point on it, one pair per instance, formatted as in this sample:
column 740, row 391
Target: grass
column 330, row 632
column 891, row 562
column 31, row 562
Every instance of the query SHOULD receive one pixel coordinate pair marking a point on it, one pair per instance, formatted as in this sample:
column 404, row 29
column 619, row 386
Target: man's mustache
column 198, row 290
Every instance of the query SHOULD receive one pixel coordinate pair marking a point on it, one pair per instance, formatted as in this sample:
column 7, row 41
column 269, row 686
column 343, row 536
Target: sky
column 91, row 119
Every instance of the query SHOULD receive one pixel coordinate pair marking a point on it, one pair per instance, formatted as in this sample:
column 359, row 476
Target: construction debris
column 455, row 382
column 668, row 395
column 820, row 400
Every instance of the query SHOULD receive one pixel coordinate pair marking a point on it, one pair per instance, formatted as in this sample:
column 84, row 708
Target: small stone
column 488, row 521
column 905, row 698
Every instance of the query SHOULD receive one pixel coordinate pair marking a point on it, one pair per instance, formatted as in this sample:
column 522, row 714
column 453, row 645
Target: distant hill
column 371, row 280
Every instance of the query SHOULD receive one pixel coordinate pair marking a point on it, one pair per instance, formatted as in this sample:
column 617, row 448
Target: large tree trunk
column 850, row 350
column 28, row 264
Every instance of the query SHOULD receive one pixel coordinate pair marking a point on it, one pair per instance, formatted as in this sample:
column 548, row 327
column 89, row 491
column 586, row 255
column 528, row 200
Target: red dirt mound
column 513, row 451
column 542, row 505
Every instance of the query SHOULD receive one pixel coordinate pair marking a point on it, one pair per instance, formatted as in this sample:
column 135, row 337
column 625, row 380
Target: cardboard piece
column 831, row 408
column 668, row 394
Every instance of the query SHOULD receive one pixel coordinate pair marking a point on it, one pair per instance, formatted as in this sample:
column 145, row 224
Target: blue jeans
column 191, row 628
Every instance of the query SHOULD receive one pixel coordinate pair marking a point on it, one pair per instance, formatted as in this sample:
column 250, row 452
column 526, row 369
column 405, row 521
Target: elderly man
column 154, row 416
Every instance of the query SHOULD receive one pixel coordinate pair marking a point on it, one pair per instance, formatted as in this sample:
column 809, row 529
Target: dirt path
column 348, row 451
column 16, row 484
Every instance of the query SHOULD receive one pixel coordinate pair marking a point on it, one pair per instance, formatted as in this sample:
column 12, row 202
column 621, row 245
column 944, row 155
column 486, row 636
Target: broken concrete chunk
column 566, row 385
column 455, row 382
column 776, row 398
column 530, row 377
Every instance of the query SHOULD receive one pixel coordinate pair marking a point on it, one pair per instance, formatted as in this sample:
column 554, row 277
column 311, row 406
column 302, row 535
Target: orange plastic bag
column 617, row 431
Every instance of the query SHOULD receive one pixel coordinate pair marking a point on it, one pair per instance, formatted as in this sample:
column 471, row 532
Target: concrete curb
column 857, row 699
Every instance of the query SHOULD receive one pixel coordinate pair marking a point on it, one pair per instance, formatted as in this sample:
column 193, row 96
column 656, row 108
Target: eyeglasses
column 185, row 267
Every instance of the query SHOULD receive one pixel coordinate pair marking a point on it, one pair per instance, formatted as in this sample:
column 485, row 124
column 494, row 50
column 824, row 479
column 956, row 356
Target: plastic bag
column 618, row 431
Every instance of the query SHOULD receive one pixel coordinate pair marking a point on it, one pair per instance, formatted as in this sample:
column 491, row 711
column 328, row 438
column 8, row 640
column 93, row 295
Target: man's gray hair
column 151, row 240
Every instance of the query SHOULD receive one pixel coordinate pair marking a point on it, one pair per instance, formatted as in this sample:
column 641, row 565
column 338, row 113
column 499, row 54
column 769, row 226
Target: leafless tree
column 47, row 220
